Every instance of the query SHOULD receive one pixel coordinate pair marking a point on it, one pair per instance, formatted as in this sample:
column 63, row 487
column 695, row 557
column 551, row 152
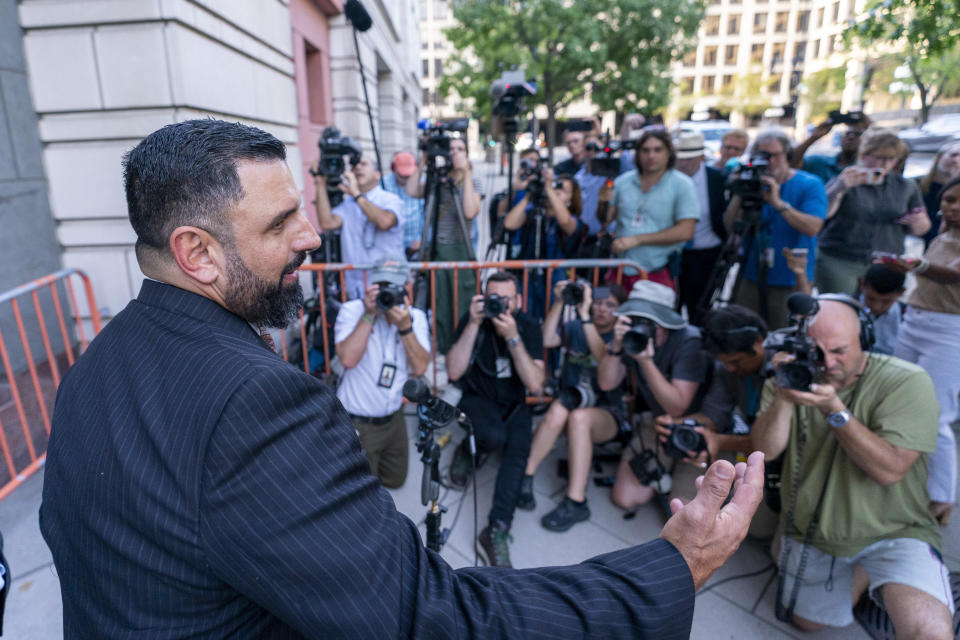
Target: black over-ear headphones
column 867, row 332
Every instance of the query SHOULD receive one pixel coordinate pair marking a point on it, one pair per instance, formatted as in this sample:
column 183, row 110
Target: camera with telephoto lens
column 333, row 147
column 578, row 397
column 636, row 339
column 747, row 183
column 572, row 294
column 494, row 305
column 390, row 295
column 435, row 143
column 807, row 366
column 684, row 440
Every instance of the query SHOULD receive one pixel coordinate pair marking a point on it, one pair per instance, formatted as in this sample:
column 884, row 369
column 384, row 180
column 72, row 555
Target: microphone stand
column 430, row 484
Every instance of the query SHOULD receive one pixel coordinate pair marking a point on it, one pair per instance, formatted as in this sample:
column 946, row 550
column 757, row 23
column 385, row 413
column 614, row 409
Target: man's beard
column 258, row 301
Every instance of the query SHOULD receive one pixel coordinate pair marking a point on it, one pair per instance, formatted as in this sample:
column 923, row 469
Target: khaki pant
column 387, row 449
column 777, row 314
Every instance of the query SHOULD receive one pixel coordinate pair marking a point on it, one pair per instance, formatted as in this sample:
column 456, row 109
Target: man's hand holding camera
column 822, row 396
column 620, row 329
column 505, row 326
column 664, row 427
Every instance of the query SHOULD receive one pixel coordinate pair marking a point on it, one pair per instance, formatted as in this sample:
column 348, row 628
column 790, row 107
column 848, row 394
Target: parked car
column 931, row 136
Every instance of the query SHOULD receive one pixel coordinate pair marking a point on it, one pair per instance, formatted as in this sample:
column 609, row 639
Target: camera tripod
column 745, row 232
column 438, row 183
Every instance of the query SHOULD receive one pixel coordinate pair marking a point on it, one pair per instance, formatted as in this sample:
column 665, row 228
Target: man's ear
column 198, row 254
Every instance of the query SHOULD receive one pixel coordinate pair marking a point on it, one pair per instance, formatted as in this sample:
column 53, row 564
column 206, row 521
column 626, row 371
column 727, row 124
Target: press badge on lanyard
column 388, row 370
column 638, row 217
column 503, row 367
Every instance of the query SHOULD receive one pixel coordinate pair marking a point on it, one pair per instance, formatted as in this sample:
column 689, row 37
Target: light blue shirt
column 361, row 242
column 672, row 199
column 589, row 197
column 412, row 211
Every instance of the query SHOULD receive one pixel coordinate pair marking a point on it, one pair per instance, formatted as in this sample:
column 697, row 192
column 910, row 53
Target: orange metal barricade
column 31, row 372
column 591, row 270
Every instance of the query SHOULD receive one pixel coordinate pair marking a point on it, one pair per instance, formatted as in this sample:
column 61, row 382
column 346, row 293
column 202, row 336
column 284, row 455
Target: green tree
column 616, row 52
column 926, row 33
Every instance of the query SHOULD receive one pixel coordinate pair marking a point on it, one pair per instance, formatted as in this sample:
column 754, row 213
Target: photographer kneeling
column 588, row 414
column 653, row 341
column 854, row 480
column 497, row 356
column 381, row 340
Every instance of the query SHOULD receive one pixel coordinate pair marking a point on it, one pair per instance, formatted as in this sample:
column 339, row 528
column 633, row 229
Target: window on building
column 776, row 54
column 687, row 85
column 317, row 70
column 733, row 24
column 730, row 55
column 756, row 53
column 690, row 58
column 819, row 22
column 780, row 25
column 803, row 21
column 734, row 1
column 831, row 42
column 775, row 83
column 426, row 67
column 799, row 51
column 424, row 45
column 425, row 99
column 759, row 22
column 836, row 12
column 439, row 9
column 707, row 84
column 438, row 68
column 727, row 82
column 710, row 55
column 711, row 25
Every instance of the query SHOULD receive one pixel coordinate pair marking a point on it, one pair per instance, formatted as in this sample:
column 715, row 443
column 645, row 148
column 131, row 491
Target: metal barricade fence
column 51, row 337
column 594, row 271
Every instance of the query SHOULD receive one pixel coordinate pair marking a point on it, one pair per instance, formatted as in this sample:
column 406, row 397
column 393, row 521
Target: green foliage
column 616, row 51
column 924, row 33
column 824, row 90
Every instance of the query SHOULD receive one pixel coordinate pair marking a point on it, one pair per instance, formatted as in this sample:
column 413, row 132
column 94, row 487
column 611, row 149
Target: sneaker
column 460, row 468
column 492, row 545
column 567, row 514
column 525, row 500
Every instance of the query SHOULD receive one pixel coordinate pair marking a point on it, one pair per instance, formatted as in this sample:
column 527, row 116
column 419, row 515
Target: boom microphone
column 357, row 15
column 438, row 411
column 801, row 304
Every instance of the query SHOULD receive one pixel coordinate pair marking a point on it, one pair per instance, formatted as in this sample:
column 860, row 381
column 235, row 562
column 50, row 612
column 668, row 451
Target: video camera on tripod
column 605, row 164
column 333, row 147
column 435, row 143
column 747, row 182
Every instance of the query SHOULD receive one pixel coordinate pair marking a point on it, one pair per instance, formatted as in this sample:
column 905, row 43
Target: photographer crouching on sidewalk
column 497, row 356
column 381, row 340
column 857, row 429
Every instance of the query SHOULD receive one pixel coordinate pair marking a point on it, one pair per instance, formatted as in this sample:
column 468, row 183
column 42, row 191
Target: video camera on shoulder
column 808, row 366
column 684, row 439
column 747, row 184
column 390, row 295
column 641, row 332
column 494, row 305
column 333, row 147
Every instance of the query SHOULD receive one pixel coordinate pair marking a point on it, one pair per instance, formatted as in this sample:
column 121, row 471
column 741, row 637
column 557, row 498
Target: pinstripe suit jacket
column 197, row 486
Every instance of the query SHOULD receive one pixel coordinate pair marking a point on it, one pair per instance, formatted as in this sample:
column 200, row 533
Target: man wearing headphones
column 854, row 480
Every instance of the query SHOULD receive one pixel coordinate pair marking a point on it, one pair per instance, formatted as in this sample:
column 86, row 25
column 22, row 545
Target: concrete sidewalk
column 741, row 608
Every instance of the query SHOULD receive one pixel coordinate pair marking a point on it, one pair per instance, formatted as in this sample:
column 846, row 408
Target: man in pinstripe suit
column 197, row 486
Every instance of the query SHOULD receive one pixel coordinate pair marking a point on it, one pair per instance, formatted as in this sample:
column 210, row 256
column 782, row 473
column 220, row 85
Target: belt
column 383, row 420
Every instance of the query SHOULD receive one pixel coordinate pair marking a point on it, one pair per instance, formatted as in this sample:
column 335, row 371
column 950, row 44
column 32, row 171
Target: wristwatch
column 837, row 419
column 514, row 341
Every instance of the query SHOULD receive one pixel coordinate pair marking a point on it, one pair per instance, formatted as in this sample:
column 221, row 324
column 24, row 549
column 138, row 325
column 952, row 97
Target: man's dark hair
column 883, row 279
column 503, row 276
column 530, row 150
column 186, row 174
column 663, row 137
column 732, row 329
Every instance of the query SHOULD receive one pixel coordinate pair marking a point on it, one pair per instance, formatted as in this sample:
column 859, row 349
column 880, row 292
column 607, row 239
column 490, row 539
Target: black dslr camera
column 605, row 163
column 436, row 144
column 807, row 367
column 572, row 294
column 494, row 305
column 390, row 295
column 684, row 440
column 333, row 147
column 636, row 339
column 748, row 184
column 851, row 117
